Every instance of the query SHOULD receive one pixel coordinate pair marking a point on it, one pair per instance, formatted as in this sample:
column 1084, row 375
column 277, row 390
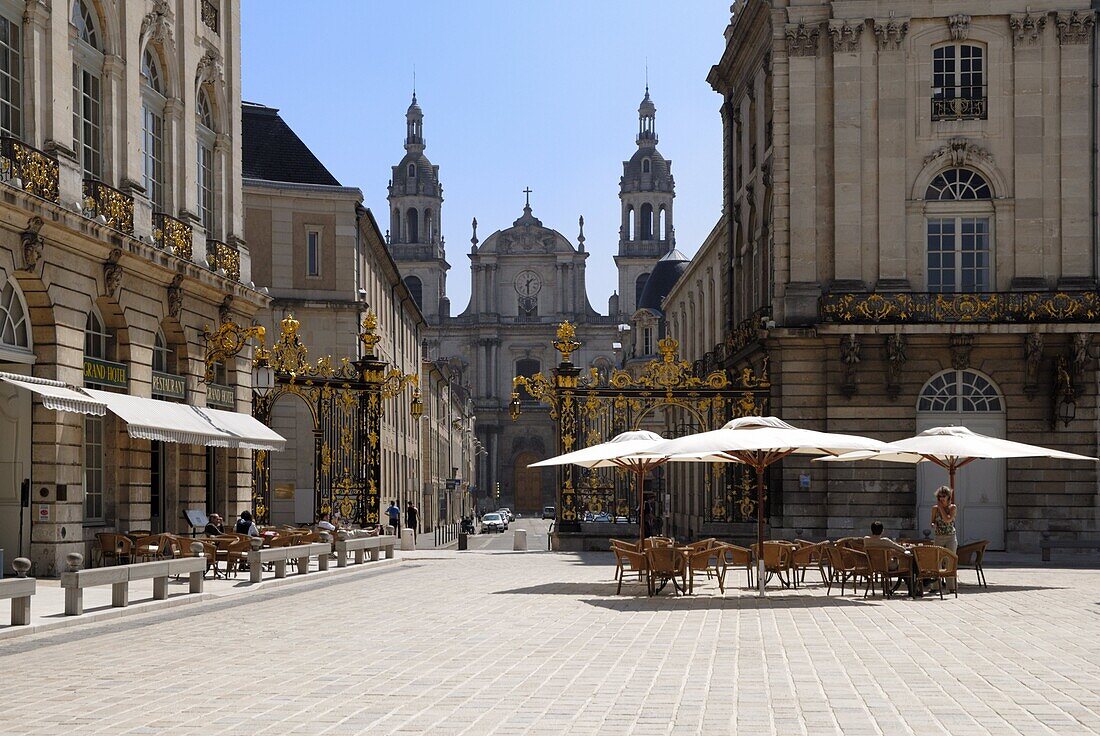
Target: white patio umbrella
column 622, row 451
column 758, row 442
column 951, row 448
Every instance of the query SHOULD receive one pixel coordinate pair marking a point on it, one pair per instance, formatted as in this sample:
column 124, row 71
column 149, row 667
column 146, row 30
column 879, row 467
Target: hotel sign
column 220, row 397
column 169, row 386
column 106, row 373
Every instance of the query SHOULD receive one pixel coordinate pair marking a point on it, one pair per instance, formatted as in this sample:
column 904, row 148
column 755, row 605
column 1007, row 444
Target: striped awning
column 56, row 395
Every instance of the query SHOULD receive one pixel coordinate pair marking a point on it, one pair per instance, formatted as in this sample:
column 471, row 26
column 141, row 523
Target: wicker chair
column 628, row 560
column 705, row 559
column 938, row 564
column 665, row 564
column 889, row 564
column 777, row 560
column 618, row 544
column 735, row 556
column 112, row 546
column 155, row 547
column 971, row 555
column 850, row 564
column 806, row 556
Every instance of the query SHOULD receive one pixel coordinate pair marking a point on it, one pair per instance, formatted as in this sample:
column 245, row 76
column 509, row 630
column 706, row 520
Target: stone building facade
column 910, row 217
column 120, row 244
column 323, row 258
column 526, row 279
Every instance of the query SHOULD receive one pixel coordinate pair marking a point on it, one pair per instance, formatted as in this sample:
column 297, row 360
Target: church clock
column 528, row 283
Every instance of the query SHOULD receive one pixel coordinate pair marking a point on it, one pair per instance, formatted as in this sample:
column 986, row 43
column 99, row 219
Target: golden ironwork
column 959, row 108
column 1016, row 307
column 210, row 15
column 369, row 336
column 224, row 257
column 29, row 169
column 115, row 207
column 227, row 341
column 168, row 232
column 567, row 343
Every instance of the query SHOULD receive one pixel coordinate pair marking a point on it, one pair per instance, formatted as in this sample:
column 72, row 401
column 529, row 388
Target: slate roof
column 273, row 152
column 660, row 282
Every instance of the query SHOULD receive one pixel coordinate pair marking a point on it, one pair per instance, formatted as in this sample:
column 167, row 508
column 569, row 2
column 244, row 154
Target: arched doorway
column 970, row 399
column 528, row 484
column 16, row 356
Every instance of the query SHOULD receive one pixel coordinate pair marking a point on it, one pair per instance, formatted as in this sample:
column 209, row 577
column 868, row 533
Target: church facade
column 526, row 278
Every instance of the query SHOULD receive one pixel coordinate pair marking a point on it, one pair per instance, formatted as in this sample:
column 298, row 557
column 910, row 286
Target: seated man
column 214, row 526
column 877, row 541
column 325, row 524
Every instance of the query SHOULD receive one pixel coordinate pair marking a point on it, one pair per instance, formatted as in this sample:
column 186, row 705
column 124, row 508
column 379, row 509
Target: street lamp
column 263, row 375
column 417, row 406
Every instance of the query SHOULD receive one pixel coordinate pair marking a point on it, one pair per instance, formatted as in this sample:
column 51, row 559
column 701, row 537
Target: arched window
column 98, row 344
column 412, row 229
column 630, row 223
column 963, row 391
column 152, row 110
column 958, row 82
column 416, row 290
column 87, row 92
column 97, row 340
column 14, row 328
column 162, row 354
column 412, row 171
column 639, row 287
column 645, row 165
column 959, row 236
column 429, row 226
column 527, row 367
column 647, row 222
column 205, row 129
column 397, row 226
column 11, row 77
column 662, row 225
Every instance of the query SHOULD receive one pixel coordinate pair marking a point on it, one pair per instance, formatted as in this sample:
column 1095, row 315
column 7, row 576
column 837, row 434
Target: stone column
column 890, row 36
column 847, row 161
column 1075, row 31
column 1027, row 145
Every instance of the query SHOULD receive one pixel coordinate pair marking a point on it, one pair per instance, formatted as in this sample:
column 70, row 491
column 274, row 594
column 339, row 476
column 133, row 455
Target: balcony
column 1017, row 307
column 223, row 257
column 109, row 206
column 29, row 169
column 958, row 107
column 210, row 15
column 172, row 234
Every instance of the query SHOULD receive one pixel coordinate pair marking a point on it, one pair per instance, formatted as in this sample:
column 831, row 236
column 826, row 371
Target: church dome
column 660, row 169
column 527, row 236
column 425, row 176
column 660, row 282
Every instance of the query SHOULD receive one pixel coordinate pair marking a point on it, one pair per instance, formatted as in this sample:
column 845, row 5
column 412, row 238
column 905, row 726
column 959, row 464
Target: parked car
column 549, row 512
column 492, row 523
column 507, row 514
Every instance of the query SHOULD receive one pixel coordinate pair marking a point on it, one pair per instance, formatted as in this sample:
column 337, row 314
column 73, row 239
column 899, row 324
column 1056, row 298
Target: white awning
column 247, row 432
column 152, row 419
column 56, row 395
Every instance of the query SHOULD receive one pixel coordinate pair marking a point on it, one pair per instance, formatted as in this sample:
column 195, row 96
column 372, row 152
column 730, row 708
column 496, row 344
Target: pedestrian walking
column 412, row 518
column 394, row 512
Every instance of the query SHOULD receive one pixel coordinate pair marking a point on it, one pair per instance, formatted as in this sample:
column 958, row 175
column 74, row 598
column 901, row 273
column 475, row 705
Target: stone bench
column 359, row 546
column 19, row 590
column 119, row 577
column 1046, row 545
column 279, row 556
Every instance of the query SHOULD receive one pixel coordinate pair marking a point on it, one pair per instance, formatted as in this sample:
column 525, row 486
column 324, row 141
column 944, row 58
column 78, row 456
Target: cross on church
column 528, row 191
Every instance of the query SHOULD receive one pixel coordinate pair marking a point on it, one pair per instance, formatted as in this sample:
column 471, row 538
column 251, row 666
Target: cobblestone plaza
column 507, row 643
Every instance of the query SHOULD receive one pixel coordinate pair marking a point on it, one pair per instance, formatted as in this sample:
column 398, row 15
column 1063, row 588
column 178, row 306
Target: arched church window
column 647, row 222
column 429, row 226
column 416, row 290
column 397, row 226
column 639, row 287
column 14, row 329
column 645, row 165
column 662, row 226
column 630, row 223
column 412, row 229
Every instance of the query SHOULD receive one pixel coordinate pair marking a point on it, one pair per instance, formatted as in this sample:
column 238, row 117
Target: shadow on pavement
column 731, row 600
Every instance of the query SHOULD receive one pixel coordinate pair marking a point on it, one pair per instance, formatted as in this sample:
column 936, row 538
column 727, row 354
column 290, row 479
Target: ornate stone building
column 526, row 279
column 120, row 244
column 910, row 220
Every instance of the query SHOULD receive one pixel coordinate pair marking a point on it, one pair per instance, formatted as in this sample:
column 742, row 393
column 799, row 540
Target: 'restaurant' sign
column 220, row 397
column 169, row 386
column 106, row 373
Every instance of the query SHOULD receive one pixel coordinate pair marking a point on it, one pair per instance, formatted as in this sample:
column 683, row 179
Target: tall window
column 205, row 171
column 96, row 338
column 14, row 329
column 96, row 345
column 11, row 76
column 412, row 229
column 647, row 222
column 161, row 354
column 645, row 165
column 647, row 341
column 313, row 253
column 959, row 235
column 958, row 82
column 152, row 111
column 87, row 93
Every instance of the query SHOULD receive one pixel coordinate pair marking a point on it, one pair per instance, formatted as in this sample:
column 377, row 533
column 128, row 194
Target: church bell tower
column 646, row 191
column 415, row 203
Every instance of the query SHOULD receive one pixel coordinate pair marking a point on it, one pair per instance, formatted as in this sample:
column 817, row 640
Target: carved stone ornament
column 895, row 359
column 1075, row 27
column 959, row 25
column 1081, row 343
column 849, row 355
column 175, row 297
column 961, row 345
column 32, row 243
column 845, row 35
column 210, row 67
column 112, row 273
column 890, row 33
column 802, row 39
column 225, row 309
column 959, row 151
column 1033, row 358
column 1027, row 28
column 157, row 25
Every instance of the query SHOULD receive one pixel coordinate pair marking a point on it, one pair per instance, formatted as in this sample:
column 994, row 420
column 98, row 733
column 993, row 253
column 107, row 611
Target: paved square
column 501, row 643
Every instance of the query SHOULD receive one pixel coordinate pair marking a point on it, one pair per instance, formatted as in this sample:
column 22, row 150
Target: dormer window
column 645, row 165
column 412, row 171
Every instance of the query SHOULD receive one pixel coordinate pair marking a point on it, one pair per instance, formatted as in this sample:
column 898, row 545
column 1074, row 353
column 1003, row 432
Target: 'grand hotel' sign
column 106, row 373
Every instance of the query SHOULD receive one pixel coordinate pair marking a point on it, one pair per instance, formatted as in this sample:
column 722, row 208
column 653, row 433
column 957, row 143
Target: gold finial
column 668, row 348
column 369, row 336
column 567, row 343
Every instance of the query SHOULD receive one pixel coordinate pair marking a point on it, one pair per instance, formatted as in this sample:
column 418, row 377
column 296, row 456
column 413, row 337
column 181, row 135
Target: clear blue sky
column 515, row 94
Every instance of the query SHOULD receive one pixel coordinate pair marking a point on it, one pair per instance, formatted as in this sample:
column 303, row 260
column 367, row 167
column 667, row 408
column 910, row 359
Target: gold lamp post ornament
column 227, row 341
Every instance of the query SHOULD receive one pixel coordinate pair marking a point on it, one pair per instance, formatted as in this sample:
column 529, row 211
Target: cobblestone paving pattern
column 500, row 643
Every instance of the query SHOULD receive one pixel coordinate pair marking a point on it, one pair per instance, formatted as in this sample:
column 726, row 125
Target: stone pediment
column 527, row 236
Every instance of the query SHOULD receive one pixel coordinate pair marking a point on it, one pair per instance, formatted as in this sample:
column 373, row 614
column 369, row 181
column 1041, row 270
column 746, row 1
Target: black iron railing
column 959, row 108
column 210, row 15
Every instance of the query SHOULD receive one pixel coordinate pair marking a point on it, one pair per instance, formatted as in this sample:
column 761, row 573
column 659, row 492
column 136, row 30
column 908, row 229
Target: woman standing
column 943, row 521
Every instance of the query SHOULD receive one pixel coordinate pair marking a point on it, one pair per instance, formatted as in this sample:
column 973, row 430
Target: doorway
column 15, row 448
column 969, row 399
column 528, row 484
column 156, row 487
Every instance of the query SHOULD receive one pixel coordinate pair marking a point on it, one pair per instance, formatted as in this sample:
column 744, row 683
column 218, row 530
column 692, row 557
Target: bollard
column 519, row 540
column 463, row 541
column 408, row 540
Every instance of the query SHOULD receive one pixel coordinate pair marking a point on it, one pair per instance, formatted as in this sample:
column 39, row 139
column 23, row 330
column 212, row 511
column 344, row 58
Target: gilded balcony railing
column 223, row 257
column 933, row 308
column 959, row 108
column 29, row 169
column 210, row 15
column 168, row 232
column 115, row 208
